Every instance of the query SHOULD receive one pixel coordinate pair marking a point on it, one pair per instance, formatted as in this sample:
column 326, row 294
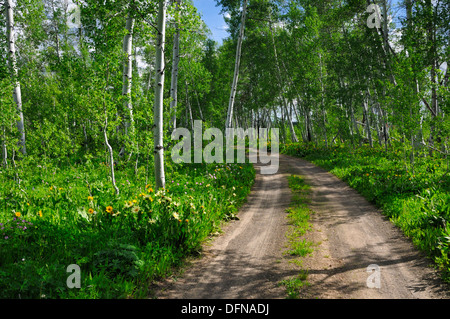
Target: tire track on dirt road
column 246, row 261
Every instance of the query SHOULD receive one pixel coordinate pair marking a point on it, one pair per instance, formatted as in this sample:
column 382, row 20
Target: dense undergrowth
column 54, row 215
column 416, row 198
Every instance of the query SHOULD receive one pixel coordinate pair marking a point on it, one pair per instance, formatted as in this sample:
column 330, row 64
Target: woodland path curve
column 246, row 261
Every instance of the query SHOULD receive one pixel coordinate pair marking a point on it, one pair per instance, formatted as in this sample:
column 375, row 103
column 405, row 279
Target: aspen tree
column 159, row 98
column 15, row 73
column 175, row 62
column 128, row 73
column 229, row 119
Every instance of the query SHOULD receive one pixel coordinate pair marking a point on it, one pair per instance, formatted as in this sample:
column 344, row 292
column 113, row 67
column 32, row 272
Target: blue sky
column 212, row 17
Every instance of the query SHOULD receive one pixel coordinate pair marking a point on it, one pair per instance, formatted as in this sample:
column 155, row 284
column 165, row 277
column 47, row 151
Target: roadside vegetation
column 298, row 216
column 415, row 198
column 63, row 215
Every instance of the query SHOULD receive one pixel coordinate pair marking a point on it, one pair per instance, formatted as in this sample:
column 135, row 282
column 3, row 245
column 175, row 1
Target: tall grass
column 62, row 215
column 415, row 198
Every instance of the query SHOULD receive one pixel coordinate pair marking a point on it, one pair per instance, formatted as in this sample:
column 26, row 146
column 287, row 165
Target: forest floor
column 248, row 259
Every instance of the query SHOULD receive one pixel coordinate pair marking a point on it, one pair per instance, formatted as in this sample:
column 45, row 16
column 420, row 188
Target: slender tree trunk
column 308, row 126
column 385, row 27
column 355, row 125
column 324, row 114
column 198, row 100
column 15, row 74
column 188, row 105
column 111, row 154
column 160, row 179
column 366, row 114
column 4, row 149
column 281, row 84
column 291, row 125
column 228, row 123
column 174, row 78
column 377, row 126
column 431, row 38
column 128, row 73
column 55, row 29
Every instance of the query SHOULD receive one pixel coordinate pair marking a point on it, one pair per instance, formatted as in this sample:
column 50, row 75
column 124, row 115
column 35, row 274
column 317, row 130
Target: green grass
column 294, row 284
column 416, row 198
column 62, row 215
column 298, row 217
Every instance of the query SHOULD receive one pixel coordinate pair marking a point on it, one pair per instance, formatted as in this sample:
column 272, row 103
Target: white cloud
column 223, row 27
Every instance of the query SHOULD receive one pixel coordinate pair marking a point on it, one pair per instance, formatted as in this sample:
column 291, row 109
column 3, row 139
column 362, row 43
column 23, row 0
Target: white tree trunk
column 13, row 65
column 174, row 79
column 324, row 113
column 228, row 123
column 281, row 84
column 111, row 154
column 367, row 115
column 4, row 150
column 159, row 98
column 128, row 73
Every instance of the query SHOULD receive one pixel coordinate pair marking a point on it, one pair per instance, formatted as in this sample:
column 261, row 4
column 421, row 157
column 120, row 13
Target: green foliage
column 118, row 259
column 71, row 215
column 299, row 218
column 416, row 201
column 294, row 284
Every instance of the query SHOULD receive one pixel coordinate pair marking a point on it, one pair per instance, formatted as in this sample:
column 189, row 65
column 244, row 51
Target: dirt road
column 247, row 260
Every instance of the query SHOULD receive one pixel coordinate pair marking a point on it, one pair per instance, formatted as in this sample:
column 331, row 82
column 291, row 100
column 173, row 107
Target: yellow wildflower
column 109, row 209
column 128, row 204
column 90, row 198
column 40, row 213
column 148, row 197
column 17, row 214
column 91, row 211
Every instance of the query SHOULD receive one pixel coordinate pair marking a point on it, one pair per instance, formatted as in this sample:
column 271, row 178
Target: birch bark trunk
column 111, row 154
column 366, row 114
column 4, row 149
column 188, row 105
column 128, row 73
column 160, row 179
column 174, row 79
column 17, row 95
column 281, row 84
column 229, row 123
column 324, row 114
